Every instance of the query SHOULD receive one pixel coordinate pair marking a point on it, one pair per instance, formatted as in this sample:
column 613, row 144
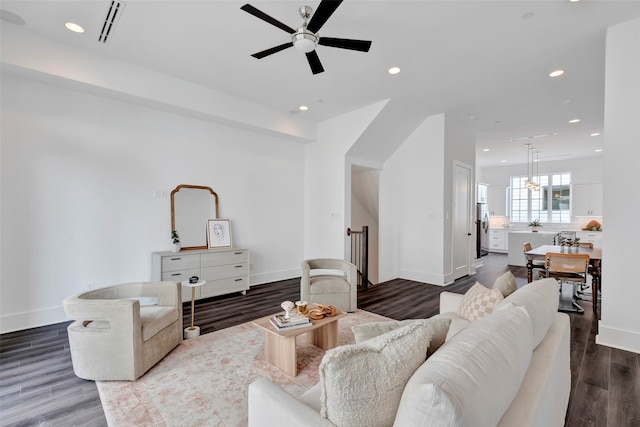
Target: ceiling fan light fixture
column 304, row 40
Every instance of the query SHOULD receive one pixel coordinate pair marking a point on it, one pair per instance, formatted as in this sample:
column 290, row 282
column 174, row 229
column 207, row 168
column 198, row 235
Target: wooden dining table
column 595, row 260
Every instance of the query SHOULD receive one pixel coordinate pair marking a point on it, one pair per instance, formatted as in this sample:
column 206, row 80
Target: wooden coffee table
column 280, row 347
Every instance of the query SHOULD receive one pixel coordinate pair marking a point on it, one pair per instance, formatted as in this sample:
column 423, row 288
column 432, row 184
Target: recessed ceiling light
column 556, row 73
column 595, row 134
column 503, row 161
column 574, row 121
column 598, row 150
column 486, row 149
column 74, row 27
column 566, row 101
column 303, row 108
column 394, row 70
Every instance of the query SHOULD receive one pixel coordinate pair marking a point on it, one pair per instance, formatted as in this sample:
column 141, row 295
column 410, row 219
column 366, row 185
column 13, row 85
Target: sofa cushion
column 478, row 301
column 156, row 318
column 457, row 324
column 473, row 377
column 439, row 328
column 506, row 284
column 540, row 299
column 328, row 284
column 361, row 384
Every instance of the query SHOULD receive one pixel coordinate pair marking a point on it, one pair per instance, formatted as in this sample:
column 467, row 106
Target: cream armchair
column 121, row 331
column 335, row 282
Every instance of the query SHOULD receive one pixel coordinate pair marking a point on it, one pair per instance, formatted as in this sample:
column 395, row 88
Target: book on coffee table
column 293, row 320
column 288, row 327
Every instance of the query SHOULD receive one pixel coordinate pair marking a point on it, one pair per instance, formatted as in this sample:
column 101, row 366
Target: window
column 550, row 204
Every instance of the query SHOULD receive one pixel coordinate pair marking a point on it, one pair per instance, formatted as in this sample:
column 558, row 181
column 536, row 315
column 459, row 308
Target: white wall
column 327, row 195
column 620, row 321
column 412, row 206
column 416, row 202
column 79, row 178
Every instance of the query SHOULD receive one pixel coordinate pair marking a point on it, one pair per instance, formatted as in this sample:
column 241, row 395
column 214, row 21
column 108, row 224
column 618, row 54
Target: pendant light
column 529, row 182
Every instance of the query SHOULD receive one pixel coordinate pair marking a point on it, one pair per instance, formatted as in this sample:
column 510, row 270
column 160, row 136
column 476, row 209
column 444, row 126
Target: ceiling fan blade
column 360, row 45
column 271, row 51
column 314, row 62
column 261, row 15
column 323, row 12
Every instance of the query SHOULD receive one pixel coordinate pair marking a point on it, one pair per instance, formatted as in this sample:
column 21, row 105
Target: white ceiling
column 484, row 62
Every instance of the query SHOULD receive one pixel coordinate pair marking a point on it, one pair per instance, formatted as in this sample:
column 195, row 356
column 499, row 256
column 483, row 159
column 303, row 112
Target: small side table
column 192, row 331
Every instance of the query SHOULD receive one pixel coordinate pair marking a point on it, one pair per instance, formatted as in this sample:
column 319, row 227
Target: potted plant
column 535, row 224
column 175, row 239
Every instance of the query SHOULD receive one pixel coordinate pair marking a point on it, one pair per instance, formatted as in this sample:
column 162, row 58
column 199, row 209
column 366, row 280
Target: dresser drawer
column 225, row 271
column 224, row 286
column 180, row 275
column 180, row 262
column 226, row 257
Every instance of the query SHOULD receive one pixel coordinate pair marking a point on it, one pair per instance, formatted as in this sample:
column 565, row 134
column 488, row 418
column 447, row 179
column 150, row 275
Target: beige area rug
column 204, row 381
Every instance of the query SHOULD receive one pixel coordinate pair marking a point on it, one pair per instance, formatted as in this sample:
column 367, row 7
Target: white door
column 462, row 218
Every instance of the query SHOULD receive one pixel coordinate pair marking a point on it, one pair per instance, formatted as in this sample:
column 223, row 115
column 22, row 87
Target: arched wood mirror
column 191, row 207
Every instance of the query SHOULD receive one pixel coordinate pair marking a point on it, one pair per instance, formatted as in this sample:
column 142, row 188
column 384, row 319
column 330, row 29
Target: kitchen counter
column 518, row 237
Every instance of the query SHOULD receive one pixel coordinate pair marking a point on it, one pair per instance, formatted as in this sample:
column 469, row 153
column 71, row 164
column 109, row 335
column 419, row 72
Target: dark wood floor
column 38, row 387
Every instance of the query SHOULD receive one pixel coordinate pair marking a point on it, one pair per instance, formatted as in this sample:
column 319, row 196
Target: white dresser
column 226, row 270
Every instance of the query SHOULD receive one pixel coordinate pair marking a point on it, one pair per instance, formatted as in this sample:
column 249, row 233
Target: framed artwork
column 219, row 233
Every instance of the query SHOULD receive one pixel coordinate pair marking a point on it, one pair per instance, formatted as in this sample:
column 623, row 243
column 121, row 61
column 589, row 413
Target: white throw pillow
column 473, row 378
column 540, row 299
column 506, row 284
column 438, row 325
column 361, row 384
column 478, row 301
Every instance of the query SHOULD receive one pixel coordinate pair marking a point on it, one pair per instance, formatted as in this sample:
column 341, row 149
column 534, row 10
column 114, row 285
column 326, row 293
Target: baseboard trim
column 420, row 276
column 274, row 276
column 31, row 319
column 618, row 338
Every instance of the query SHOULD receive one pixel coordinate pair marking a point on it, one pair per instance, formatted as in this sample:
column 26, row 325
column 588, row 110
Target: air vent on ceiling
column 113, row 15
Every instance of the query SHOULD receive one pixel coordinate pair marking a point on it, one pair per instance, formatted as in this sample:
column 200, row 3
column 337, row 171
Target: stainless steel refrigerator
column 482, row 229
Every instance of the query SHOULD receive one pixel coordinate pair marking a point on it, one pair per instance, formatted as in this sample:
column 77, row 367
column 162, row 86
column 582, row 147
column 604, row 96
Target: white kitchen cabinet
column 498, row 241
column 497, row 201
column 226, row 270
column 482, row 193
column 594, row 237
column 586, row 199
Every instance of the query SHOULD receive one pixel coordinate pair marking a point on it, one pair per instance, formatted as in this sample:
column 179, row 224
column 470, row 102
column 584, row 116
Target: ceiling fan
column 305, row 38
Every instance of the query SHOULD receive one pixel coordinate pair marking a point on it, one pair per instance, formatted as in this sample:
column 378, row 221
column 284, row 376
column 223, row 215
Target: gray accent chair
column 121, row 331
column 335, row 282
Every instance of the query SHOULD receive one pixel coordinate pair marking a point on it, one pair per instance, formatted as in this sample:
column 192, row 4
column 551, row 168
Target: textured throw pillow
column 361, row 384
column 506, row 284
column 478, row 302
column 474, row 377
column 439, row 328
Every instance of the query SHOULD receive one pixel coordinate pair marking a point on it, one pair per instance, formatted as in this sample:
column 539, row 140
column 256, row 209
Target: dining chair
column 526, row 247
column 590, row 246
column 567, row 267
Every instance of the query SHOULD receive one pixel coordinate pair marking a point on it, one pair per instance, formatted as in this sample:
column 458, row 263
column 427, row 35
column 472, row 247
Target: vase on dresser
column 175, row 247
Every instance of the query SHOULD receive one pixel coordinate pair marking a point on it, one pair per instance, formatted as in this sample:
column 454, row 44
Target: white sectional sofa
column 509, row 368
